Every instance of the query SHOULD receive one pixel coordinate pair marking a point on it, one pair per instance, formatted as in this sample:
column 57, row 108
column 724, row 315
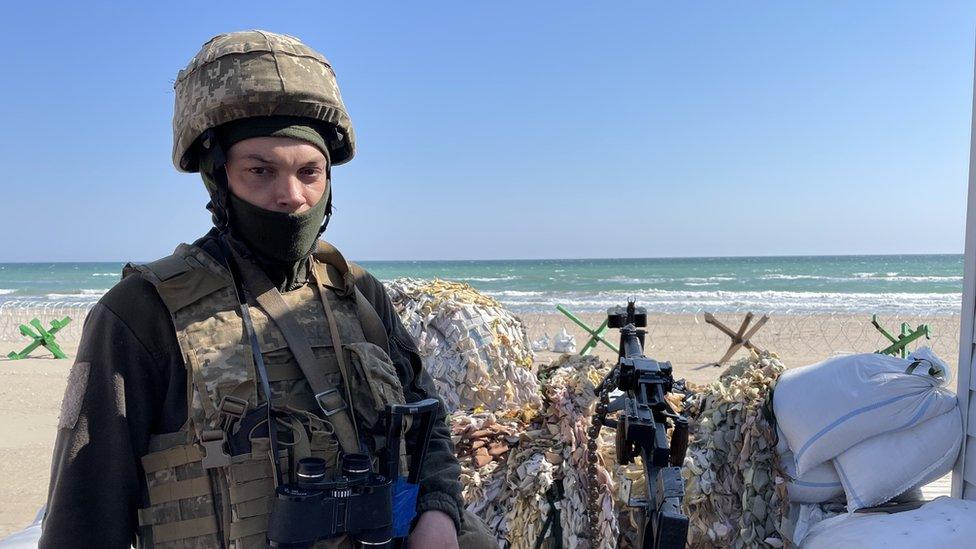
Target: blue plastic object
column 404, row 506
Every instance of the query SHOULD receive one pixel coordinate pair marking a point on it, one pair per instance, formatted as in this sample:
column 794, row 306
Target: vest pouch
column 374, row 384
column 325, row 446
column 250, row 491
column 181, row 509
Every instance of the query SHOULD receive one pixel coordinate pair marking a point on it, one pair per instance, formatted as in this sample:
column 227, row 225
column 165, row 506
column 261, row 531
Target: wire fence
column 797, row 338
column 682, row 337
column 14, row 313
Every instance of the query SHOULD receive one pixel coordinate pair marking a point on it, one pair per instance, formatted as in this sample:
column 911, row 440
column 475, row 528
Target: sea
column 884, row 284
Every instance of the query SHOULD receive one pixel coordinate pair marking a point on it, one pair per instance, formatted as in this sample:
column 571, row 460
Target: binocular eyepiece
column 358, row 502
column 356, row 470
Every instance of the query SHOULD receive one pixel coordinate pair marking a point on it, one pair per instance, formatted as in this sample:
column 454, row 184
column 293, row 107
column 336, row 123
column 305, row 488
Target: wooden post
column 740, row 338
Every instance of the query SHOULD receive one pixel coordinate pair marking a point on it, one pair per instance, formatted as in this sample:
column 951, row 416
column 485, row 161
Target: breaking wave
column 487, row 278
column 671, row 301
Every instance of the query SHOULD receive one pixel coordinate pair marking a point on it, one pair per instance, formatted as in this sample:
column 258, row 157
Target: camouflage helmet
column 256, row 73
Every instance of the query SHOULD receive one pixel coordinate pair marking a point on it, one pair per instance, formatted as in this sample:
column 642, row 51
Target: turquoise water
column 918, row 284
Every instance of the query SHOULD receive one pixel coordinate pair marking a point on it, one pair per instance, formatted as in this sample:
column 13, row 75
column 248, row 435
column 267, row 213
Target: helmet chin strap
column 328, row 205
column 218, row 204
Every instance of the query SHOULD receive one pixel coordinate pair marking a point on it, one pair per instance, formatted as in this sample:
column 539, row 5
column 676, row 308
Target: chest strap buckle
column 330, row 402
column 214, row 449
column 231, row 409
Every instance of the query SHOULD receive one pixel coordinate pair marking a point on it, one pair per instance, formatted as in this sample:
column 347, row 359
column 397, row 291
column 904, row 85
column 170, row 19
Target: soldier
column 162, row 441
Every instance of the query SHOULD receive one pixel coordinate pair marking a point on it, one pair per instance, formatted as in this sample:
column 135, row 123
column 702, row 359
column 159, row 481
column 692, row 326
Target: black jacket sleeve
column 112, row 403
column 440, row 484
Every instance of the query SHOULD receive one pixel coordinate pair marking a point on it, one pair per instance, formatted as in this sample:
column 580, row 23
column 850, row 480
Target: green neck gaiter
column 281, row 241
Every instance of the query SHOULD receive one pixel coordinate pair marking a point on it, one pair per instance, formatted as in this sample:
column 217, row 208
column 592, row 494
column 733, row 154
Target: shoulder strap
column 373, row 327
column 329, row 255
column 329, row 400
column 179, row 278
column 161, row 269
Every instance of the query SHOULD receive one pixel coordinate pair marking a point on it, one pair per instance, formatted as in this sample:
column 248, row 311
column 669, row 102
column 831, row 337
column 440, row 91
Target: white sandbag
column 565, row 343
column 805, row 516
column 541, row 344
column 825, row 408
column 936, row 365
column 889, row 464
column 943, row 522
column 820, row 484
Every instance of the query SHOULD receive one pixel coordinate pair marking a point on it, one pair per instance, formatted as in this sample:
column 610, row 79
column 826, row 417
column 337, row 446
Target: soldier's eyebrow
column 257, row 157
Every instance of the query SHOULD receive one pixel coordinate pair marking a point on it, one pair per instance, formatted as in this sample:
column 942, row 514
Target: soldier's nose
column 291, row 196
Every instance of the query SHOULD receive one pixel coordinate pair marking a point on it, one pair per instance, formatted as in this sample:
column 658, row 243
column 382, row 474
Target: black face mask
column 277, row 236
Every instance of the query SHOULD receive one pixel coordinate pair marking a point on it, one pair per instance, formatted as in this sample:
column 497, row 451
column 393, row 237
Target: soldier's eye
column 259, row 170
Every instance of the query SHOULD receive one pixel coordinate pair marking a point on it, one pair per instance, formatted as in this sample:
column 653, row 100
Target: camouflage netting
column 521, row 434
column 529, row 477
column 476, row 351
column 735, row 491
column 519, row 474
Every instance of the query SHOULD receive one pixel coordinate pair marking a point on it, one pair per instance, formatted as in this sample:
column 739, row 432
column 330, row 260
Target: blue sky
column 519, row 129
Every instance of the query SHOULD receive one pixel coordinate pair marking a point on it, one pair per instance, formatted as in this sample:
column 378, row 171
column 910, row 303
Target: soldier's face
column 277, row 173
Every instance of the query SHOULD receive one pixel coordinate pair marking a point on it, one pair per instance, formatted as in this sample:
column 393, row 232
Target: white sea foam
column 798, row 277
column 82, row 294
column 922, row 278
column 888, row 277
column 514, row 293
column 487, row 278
column 757, row 301
column 632, row 280
column 6, row 291
column 106, row 274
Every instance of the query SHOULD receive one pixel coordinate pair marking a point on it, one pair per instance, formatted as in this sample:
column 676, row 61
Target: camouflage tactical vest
column 211, row 484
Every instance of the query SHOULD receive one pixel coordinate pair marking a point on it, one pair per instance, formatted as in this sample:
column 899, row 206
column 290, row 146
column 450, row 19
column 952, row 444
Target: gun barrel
column 630, row 344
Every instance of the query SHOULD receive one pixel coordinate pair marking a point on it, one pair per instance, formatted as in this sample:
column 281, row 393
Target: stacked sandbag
column 735, row 491
column 876, row 425
column 818, row 485
column 943, row 522
column 477, row 352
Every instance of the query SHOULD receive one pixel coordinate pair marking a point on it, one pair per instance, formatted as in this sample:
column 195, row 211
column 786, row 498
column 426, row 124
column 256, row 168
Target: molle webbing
column 270, row 300
column 229, row 505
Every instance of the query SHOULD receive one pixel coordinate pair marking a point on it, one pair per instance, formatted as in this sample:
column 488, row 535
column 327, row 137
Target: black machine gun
column 643, row 418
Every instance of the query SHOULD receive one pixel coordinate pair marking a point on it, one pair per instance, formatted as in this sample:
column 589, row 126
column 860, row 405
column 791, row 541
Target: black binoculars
column 371, row 508
column 358, row 502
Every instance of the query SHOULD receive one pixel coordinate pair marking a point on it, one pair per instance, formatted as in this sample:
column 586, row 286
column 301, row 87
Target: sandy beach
column 31, row 389
column 30, row 398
